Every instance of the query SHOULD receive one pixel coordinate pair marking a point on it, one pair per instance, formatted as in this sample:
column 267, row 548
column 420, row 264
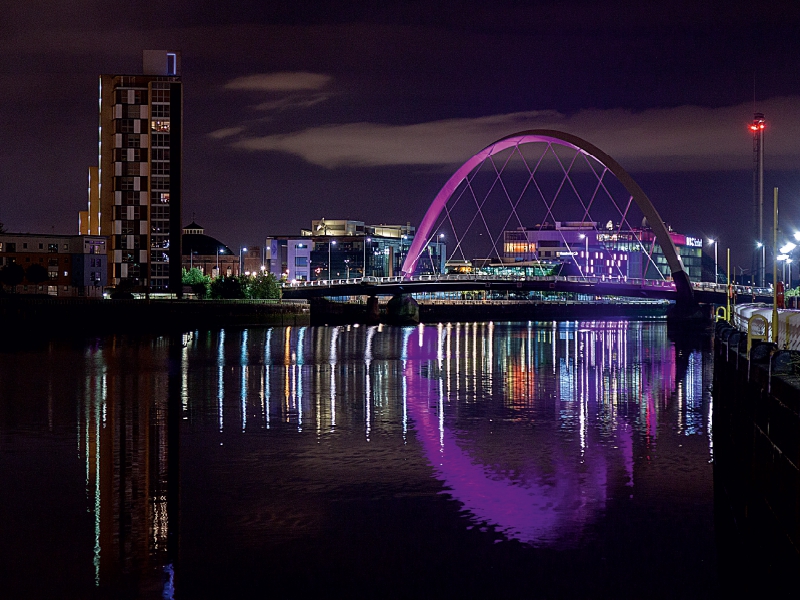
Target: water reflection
column 526, row 425
column 124, row 440
column 535, row 429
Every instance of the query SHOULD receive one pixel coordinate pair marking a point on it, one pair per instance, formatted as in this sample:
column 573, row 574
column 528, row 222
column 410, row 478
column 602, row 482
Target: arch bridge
column 526, row 186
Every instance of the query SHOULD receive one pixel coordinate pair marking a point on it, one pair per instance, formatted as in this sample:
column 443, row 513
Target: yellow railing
column 754, row 336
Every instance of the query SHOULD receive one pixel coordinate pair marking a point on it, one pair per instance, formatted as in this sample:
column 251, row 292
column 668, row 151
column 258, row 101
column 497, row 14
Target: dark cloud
column 279, row 82
column 360, row 108
column 686, row 138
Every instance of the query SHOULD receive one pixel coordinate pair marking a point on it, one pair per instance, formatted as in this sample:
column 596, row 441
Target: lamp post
column 402, row 252
column 364, row 259
column 716, row 276
column 240, row 259
column 763, row 260
column 347, row 268
column 783, row 258
column 442, row 254
column 330, row 243
column 219, row 250
column 585, row 239
column 786, row 250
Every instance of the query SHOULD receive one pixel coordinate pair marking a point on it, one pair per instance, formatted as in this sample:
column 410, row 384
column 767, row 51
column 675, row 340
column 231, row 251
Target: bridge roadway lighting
column 716, row 276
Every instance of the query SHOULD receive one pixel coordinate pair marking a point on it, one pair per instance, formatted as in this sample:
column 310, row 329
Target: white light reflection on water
column 220, row 377
column 535, row 456
column 620, row 386
column 243, row 386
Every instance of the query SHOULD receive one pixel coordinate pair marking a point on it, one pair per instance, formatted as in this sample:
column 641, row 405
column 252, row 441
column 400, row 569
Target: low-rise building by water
column 56, row 265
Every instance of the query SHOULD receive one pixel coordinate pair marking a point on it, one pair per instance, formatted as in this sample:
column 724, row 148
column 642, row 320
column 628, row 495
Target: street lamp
column 330, row 243
column 784, row 258
column 403, row 250
column 240, row 259
column 442, row 254
column 716, row 276
column 786, row 250
column 585, row 238
column 347, row 267
column 364, row 260
column 219, row 251
column 763, row 262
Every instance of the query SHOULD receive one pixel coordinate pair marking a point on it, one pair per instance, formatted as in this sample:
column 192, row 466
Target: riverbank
column 36, row 316
column 757, row 452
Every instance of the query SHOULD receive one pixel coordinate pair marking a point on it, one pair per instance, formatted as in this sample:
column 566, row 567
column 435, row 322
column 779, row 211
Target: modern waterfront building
column 135, row 192
column 340, row 249
column 583, row 249
column 76, row 265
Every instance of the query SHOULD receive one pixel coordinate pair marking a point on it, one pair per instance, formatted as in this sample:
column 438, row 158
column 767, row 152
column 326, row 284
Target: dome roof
column 202, row 244
column 194, row 225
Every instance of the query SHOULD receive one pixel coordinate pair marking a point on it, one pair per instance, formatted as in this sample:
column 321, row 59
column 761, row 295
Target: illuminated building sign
column 694, row 242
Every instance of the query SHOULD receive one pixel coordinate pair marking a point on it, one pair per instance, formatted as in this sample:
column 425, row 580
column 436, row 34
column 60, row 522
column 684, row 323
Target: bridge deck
column 632, row 288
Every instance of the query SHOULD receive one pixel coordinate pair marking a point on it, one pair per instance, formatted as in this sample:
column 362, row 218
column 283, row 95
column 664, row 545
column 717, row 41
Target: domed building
column 206, row 253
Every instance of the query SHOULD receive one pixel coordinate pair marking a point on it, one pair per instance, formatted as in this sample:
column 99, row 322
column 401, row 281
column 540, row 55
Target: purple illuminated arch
column 550, row 136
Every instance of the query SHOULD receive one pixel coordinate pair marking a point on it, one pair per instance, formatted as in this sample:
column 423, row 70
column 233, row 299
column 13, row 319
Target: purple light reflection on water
column 537, row 505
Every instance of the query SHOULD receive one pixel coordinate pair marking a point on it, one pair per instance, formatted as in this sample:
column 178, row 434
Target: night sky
column 362, row 110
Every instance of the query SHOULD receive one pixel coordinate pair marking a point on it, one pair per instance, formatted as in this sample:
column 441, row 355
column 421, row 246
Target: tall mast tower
column 758, row 195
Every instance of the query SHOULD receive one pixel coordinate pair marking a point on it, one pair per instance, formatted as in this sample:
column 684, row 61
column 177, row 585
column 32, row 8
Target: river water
column 540, row 460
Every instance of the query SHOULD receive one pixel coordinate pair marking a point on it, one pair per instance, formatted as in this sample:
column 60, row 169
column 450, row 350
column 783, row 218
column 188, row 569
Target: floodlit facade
column 135, row 192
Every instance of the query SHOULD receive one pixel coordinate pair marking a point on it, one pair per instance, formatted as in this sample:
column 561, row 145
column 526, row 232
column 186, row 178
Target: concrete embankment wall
column 323, row 311
column 756, row 424
column 437, row 312
column 34, row 316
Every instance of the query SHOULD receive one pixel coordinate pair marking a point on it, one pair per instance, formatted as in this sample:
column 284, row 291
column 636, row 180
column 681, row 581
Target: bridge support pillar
column 402, row 309
column 686, row 309
column 373, row 312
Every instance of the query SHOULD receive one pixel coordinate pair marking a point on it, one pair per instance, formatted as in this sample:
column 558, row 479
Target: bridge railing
column 706, row 286
column 476, row 277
